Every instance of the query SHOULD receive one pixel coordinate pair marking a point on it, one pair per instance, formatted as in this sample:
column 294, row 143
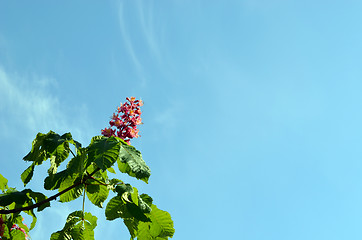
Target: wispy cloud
column 146, row 15
column 29, row 104
column 129, row 45
column 146, row 44
column 168, row 119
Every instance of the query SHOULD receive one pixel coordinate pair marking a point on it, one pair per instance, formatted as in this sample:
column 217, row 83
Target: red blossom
column 125, row 120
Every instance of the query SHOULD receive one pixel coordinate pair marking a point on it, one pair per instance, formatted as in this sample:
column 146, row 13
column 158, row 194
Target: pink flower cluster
column 125, row 120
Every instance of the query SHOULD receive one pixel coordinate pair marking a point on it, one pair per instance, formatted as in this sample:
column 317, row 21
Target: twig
column 50, row 198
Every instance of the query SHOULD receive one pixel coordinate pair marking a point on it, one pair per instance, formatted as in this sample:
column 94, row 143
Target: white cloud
column 148, row 28
column 147, row 44
column 129, row 45
column 168, row 119
column 28, row 105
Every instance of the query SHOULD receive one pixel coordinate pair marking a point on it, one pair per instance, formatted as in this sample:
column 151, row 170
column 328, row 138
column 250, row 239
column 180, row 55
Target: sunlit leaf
column 77, row 226
column 130, row 161
column 3, row 183
column 48, row 146
column 161, row 225
column 97, row 194
column 73, row 193
column 103, row 151
column 28, row 174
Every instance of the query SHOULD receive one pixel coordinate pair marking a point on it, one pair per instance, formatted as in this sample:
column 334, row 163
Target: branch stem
column 16, row 210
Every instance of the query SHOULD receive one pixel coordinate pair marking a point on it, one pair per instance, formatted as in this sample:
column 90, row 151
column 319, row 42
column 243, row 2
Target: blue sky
column 252, row 115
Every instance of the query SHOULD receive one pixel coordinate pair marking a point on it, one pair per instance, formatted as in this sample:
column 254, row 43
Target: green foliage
column 104, row 151
column 96, row 193
column 23, row 198
column 3, row 183
column 130, row 161
column 79, row 225
column 161, row 225
column 48, row 146
column 86, row 174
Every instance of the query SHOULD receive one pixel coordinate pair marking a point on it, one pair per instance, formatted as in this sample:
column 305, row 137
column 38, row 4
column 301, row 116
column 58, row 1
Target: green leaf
column 122, row 188
column 28, row 174
column 3, row 183
column 53, row 181
column 48, row 146
column 98, row 174
column 22, row 199
column 60, row 235
column 130, row 161
column 132, row 225
column 136, row 212
column 37, row 153
column 144, row 206
column 161, row 226
column 114, row 208
column 14, row 197
column 32, row 214
column 84, row 229
column 112, row 183
column 103, row 151
column 91, row 219
column 97, row 194
column 77, row 164
column 76, row 228
column 6, row 232
column 127, row 205
column 11, row 221
column 72, row 194
column 38, row 197
column 17, row 234
column 74, row 167
column 111, row 170
column 19, row 221
column 134, row 196
column 57, row 146
column 147, row 199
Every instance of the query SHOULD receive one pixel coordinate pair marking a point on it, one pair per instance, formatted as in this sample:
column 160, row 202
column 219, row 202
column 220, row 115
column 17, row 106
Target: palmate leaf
column 160, row 227
column 48, row 146
column 103, row 151
column 3, row 183
column 73, row 193
column 128, row 204
column 75, row 228
column 144, row 220
column 75, row 168
column 97, row 194
column 17, row 235
column 122, row 188
column 115, row 209
column 53, row 181
column 24, row 198
column 130, row 161
column 28, row 174
column 9, row 232
column 132, row 225
column 84, row 229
